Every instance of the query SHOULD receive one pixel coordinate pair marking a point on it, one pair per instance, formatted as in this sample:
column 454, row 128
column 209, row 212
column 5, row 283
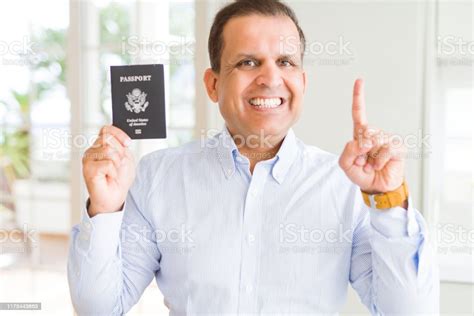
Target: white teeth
column 265, row 103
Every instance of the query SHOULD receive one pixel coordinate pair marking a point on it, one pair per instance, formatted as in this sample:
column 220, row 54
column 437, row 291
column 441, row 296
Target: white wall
column 385, row 41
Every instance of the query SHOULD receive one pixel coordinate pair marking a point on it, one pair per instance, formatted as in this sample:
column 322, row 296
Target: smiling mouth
column 266, row 103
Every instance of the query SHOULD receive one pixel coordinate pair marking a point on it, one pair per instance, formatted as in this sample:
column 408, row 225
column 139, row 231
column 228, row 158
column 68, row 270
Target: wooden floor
column 35, row 271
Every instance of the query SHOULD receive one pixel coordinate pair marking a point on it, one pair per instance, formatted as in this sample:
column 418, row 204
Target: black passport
column 138, row 100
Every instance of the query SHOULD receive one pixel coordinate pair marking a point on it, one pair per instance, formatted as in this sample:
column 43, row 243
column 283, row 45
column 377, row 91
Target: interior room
column 415, row 57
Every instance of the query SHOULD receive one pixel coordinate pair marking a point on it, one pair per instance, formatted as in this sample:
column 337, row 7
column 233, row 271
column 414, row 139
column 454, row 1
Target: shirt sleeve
column 393, row 265
column 113, row 257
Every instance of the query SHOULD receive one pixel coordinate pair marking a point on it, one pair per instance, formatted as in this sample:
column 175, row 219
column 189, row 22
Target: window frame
column 452, row 267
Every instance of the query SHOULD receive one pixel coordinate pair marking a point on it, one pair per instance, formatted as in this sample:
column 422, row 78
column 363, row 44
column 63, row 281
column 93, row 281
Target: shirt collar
column 225, row 152
column 284, row 157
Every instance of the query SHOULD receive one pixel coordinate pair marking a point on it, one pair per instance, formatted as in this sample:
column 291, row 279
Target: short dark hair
column 244, row 8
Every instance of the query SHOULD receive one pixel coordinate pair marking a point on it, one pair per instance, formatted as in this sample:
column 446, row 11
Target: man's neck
column 265, row 150
column 256, row 155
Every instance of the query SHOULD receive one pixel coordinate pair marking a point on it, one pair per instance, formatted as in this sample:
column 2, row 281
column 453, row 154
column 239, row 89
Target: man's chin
column 270, row 130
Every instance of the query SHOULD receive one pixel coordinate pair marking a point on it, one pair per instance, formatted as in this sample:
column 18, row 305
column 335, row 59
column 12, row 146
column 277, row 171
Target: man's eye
column 247, row 63
column 286, row 63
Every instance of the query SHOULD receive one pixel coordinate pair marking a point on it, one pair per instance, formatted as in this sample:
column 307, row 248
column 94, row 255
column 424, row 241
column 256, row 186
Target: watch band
column 388, row 199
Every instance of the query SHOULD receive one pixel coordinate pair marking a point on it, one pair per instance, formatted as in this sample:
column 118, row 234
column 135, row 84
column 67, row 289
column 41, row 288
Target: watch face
column 138, row 100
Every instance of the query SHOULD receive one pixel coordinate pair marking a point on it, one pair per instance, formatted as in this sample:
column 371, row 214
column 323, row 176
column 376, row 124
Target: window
column 34, row 168
column 34, row 111
column 130, row 32
column 449, row 180
column 51, row 110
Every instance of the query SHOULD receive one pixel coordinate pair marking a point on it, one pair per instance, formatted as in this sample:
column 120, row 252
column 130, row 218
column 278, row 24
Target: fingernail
column 367, row 144
column 127, row 142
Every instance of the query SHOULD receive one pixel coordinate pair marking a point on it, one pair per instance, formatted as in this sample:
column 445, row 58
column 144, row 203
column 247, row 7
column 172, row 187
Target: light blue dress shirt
column 287, row 239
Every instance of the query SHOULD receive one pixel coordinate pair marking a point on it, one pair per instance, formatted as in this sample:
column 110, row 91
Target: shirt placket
column 251, row 232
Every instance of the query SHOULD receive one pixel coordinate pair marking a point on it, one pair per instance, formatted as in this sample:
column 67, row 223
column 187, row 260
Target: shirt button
column 248, row 288
column 250, row 238
column 253, row 192
column 84, row 237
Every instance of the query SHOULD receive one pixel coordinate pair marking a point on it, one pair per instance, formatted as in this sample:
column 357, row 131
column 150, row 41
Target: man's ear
column 210, row 81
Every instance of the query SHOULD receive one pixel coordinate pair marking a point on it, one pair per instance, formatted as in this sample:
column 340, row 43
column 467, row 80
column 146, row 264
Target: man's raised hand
column 370, row 159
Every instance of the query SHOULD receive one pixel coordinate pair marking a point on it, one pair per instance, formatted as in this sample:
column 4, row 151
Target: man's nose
column 270, row 76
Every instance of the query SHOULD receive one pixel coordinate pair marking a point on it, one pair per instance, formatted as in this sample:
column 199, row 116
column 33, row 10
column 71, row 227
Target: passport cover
column 138, row 100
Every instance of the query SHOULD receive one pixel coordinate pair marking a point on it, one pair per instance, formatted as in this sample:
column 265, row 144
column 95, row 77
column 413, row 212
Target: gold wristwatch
column 387, row 200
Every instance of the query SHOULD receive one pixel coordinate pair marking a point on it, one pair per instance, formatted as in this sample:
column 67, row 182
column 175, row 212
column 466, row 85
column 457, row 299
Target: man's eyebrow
column 282, row 56
column 289, row 56
column 244, row 55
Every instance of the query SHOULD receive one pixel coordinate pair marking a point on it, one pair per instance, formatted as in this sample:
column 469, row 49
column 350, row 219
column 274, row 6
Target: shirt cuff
column 395, row 222
column 100, row 235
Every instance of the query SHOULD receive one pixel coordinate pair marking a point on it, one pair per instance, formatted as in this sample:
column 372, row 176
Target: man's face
column 261, row 82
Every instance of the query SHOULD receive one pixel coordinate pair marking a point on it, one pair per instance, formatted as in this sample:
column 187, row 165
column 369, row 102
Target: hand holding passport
column 138, row 111
column 138, row 100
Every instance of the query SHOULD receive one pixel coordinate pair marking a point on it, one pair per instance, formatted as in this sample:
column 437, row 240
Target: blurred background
column 415, row 56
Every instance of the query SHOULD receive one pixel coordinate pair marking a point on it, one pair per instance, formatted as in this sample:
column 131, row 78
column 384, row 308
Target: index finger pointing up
column 359, row 116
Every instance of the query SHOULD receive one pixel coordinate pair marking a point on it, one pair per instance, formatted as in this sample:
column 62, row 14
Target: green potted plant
column 14, row 150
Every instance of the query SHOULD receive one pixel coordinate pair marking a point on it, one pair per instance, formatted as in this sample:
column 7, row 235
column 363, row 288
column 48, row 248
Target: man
column 252, row 220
